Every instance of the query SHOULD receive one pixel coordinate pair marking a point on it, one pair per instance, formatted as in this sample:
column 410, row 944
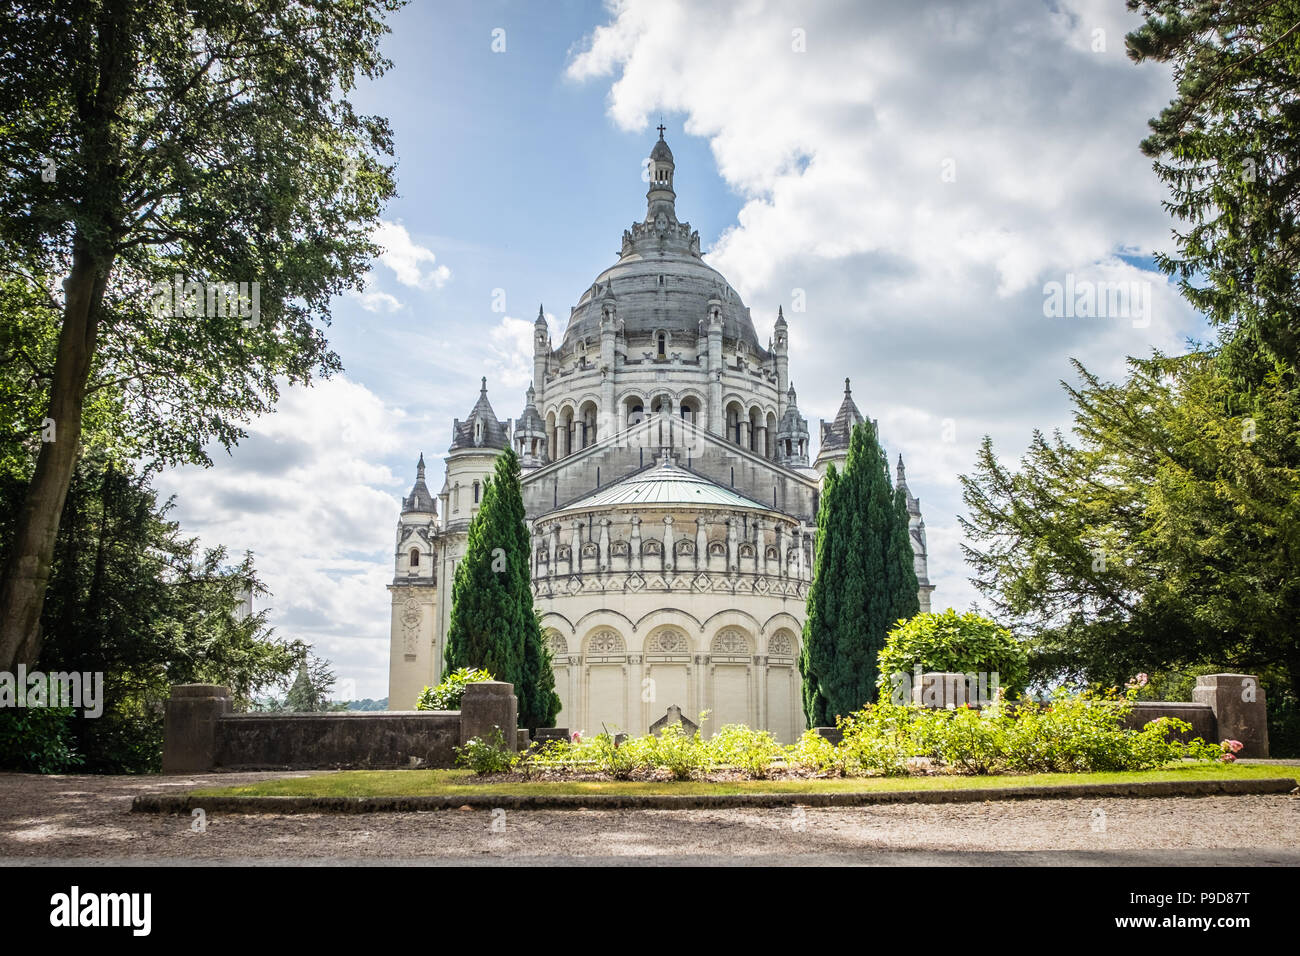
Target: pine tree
column 493, row 623
column 864, row 581
column 485, row 629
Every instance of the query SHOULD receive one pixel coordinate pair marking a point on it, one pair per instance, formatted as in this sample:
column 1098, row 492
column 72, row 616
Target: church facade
column 669, row 493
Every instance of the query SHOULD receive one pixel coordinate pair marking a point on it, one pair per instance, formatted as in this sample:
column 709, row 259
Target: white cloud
column 920, row 172
column 511, row 343
column 379, row 302
column 411, row 263
column 304, row 493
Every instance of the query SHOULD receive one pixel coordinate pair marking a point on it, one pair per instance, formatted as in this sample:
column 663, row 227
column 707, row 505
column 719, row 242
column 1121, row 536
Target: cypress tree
column 864, row 581
column 485, row 629
column 493, row 623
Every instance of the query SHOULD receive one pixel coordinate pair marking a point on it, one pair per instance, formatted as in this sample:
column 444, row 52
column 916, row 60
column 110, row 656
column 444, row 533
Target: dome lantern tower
column 661, row 198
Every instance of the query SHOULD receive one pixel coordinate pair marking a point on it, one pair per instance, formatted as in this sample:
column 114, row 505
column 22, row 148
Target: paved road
column 86, row 820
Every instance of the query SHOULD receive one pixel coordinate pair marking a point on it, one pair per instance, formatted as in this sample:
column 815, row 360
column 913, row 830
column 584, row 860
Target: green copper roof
column 665, row 484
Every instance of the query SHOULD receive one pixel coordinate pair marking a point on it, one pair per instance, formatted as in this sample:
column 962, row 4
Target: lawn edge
column 185, row 803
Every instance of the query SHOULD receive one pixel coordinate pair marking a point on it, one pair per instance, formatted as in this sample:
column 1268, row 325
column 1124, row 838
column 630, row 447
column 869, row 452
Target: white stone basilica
column 669, row 493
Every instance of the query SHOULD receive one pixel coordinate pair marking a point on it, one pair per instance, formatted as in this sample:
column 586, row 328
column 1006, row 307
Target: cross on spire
column 661, row 129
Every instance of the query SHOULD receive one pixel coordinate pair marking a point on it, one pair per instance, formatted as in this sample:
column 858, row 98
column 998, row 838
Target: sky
column 937, row 184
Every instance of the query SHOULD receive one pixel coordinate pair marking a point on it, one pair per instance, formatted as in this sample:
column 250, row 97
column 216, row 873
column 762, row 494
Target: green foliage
column 493, row 623
column 1225, row 147
column 682, row 754
column 1164, row 537
column 815, row 753
column 753, row 751
column 486, row 756
column 38, row 740
column 864, row 582
column 134, row 599
column 213, row 142
column 954, row 643
column 447, row 695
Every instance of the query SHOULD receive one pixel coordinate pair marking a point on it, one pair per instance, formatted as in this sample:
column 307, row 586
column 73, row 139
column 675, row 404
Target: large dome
column 660, row 282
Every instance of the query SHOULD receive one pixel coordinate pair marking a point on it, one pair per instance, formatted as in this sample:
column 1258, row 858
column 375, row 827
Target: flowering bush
column 815, row 753
column 447, row 695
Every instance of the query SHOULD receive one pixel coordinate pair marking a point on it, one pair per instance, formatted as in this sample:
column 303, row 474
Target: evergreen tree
column 864, row 582
column 485, row 629
column 493, row 623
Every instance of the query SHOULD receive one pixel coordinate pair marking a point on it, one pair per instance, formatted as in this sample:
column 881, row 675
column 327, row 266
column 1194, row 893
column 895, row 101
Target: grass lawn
column 408, row 783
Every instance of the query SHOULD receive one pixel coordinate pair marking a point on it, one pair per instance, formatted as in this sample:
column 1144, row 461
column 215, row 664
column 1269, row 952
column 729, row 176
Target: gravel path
column 87, row 819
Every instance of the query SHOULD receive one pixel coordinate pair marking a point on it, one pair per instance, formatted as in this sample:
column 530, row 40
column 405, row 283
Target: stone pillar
column 763, row 723
column 190, row 726
column 670, row 559
column 733, row 545
column 576, row 548
column 488, row 705
column 701, row 544
column 1238, row 704
column 603, row 554
column 746, row 435
column 555, row 550
column 634, row 544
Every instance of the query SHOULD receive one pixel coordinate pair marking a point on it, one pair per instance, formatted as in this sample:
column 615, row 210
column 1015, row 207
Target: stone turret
column 475, row 444
column 792, row 434
column 835, row 435
column 530, row 435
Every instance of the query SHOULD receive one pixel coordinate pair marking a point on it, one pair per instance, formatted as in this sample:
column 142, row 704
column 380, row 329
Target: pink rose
column 1236, row 745
column 1142, row 680
column 577, row 737
column 1228, row 758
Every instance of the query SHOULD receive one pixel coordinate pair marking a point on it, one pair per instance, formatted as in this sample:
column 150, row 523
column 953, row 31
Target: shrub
column 954, row 643
column 814, row 752
column 678, row 753
column 879, row 739
column 752, row 751
column 486, row 756
column 447, row 695
column 37, row 740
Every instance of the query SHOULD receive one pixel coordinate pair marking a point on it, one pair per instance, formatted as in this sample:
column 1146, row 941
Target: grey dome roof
column 661, row 150
column 661, row 282
column 665, row 484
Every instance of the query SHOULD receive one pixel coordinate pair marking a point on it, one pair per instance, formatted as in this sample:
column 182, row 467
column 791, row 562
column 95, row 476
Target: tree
column 1168, row 535
column 493, row 623
column 134, row 599
column 311, row 688
column 147, row 145
column 864, row 582
column 1226, row 146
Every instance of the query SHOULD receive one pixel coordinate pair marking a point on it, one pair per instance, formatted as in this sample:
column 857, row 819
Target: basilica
column 670, row 496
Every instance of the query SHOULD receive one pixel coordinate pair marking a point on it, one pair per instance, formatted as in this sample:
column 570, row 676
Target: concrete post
column 190, row 726
column 1238, row 704
column 488, row 705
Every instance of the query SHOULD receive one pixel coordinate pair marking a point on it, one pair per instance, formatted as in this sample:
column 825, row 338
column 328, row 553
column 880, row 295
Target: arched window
column 415, row 557
column 476, row 492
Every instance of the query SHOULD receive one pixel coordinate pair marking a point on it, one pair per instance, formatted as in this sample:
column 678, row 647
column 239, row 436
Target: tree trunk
column 27, row 571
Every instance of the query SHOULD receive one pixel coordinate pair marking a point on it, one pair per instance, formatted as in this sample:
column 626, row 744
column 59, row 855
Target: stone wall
column 202, row 734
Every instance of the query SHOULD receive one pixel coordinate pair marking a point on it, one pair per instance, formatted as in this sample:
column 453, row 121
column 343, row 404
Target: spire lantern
column 661, row 198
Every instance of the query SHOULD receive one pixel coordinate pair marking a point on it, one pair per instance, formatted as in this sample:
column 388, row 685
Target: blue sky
column 920, row 171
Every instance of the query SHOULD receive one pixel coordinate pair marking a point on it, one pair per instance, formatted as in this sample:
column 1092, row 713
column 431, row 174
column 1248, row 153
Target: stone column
column 555, row 549
column 634, row 544
column 733, row 545
column 761, row 667
column 190, row 726
column 670, row 559
column 746, row 438
column 701, row 544
column 780, row 551
column 1238, row 704
column 576, row 548
column 604, row 545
